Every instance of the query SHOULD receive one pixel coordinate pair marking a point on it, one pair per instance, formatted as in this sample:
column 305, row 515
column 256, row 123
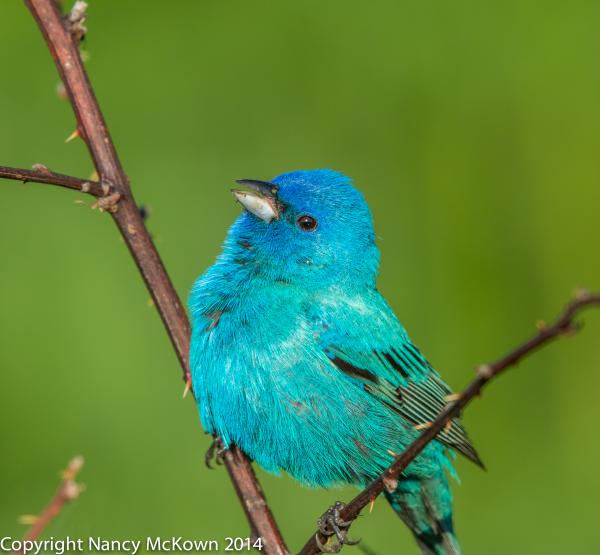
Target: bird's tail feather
column 425, row 506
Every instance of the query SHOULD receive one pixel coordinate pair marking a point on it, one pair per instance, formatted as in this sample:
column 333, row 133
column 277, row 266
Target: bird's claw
column 331, row 524
column 215, row 452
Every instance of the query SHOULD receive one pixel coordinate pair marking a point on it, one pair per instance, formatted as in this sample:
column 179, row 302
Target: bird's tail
column 425, row 506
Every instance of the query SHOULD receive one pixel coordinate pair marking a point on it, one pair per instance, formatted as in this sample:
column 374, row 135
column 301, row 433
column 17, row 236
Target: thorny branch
column 41, row 174
column 62, row 36
column 565, row 325
column 68, row 491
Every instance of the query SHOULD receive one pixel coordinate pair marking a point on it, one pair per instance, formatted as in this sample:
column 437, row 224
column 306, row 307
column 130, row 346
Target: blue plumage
column 298, row 359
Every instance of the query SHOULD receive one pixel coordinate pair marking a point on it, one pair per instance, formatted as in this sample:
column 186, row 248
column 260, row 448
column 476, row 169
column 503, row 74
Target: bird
column 297, row 358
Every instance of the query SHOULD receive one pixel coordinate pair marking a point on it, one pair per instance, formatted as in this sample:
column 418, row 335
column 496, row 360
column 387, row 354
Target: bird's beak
column 262, row 203
column 262, row 207
column 265, row 188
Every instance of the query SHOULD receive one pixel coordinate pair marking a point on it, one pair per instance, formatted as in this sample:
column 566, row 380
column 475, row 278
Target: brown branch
column 62, row 41
column 41, row 174
column 68, row 490
column 253, row 500
column 565, row 325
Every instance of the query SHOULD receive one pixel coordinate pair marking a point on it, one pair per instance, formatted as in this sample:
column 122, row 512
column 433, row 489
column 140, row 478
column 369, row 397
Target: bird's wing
column 372, row 347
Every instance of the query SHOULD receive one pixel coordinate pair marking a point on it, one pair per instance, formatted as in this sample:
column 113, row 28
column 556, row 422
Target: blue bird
column 298, row 359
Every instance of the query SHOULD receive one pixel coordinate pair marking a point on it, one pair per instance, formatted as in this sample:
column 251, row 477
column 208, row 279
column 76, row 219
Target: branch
column 62, row 37
column 564, row 326
column 253, row 500
column 68, row 490
column 41, row 174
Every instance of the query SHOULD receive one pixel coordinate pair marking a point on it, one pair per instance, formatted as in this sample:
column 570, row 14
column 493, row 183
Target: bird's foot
column 215, row 452
column 331, row 524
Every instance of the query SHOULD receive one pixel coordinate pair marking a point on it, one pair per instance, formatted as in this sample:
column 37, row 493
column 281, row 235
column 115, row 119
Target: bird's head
column 310, row 226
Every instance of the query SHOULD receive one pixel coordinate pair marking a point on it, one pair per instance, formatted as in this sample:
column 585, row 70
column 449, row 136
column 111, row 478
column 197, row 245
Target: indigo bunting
column 297, row 358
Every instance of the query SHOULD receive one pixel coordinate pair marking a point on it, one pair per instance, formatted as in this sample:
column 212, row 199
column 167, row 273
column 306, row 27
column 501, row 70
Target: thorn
column 73, row 468
column 372, row 505
column 150, row 302
column 28, row 520
column 61, row 91
column 581, row 294
column 41, row 169
column 73, row 135
column 108, row 203
column 188, row 388
column 392, row 453
column 94, row 176
column 453, row 397
column 541, row 325
column 485, row 371
column 424, row 426
column 73, row 490
column 448, row 426
column 390, row 484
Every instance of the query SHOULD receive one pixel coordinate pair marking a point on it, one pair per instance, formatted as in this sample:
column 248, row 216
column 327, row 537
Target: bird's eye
column 307, row 223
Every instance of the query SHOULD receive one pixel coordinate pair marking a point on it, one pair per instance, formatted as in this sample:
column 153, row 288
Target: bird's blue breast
column 264, row 382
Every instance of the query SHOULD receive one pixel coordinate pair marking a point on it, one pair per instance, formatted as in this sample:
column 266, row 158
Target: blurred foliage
column 474, row 130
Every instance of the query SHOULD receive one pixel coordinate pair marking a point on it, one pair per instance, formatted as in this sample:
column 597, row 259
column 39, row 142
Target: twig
column 115, row 197
column 44, row 175
column 68, row 490
column 565, row 325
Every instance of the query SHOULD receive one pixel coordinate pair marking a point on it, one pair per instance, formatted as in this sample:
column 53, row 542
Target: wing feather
column 363, row 339
column 419, row 399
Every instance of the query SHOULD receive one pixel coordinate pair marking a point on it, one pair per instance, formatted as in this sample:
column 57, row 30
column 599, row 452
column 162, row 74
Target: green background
column 474, row 130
